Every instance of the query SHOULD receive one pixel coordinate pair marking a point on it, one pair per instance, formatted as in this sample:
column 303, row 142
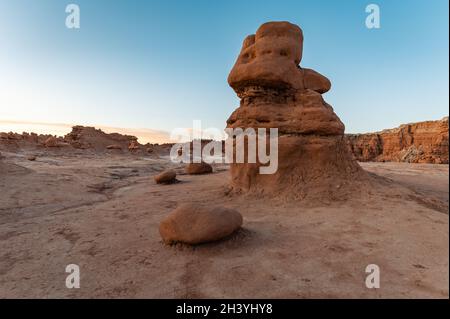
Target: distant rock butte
column 91, row 138
column 166, row 177
column 422, row 142
column 80, row 138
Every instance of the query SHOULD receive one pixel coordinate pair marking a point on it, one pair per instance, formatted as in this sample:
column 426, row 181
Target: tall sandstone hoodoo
column 276, row 92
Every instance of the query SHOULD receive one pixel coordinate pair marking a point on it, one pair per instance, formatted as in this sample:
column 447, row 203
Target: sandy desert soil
column 103, row 212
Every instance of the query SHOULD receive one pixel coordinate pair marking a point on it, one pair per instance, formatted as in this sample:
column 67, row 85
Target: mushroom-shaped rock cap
column 285, row 34
column 271, row 58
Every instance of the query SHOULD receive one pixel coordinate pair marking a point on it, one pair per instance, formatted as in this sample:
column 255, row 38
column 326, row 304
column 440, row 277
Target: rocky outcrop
column 276, row 92
column 14, row 141
column 422, row 142
column 80, row 138
column 85, row 137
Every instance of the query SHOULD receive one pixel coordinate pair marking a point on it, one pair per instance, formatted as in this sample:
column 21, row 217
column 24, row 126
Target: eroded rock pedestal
column 276, row 92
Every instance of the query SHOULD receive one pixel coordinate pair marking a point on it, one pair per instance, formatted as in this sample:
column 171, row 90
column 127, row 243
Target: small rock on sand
column 166, row 177
column 198, row 168
column 193, row 224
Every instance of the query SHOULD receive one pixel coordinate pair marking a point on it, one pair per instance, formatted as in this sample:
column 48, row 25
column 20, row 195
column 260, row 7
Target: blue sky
column 161, row 64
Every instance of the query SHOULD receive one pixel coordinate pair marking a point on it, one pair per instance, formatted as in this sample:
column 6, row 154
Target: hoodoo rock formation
column 276, row 92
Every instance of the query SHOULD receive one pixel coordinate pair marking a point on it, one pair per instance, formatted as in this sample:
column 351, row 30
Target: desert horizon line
column 143, row 135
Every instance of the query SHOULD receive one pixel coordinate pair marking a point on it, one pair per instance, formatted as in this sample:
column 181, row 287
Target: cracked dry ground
column 102, row 213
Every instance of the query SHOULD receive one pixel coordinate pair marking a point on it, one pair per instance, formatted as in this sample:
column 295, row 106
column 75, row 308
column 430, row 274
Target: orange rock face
column 423, row 142
column 276, row 92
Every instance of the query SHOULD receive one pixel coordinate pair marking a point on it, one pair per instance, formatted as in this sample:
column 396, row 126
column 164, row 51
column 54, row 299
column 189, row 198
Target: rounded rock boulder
column 198, row 168
column 166, row 177
column 194, row 224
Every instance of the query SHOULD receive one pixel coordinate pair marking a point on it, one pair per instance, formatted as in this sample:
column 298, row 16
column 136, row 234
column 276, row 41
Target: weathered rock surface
column 198, row 168
column 276, row 92
column 422, row 142
column 192, row 224
column 166, row 177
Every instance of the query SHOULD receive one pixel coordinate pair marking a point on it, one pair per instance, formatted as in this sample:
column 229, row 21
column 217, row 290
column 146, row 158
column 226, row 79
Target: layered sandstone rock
column 423, row 142
column 82, row 139
column 276, row 92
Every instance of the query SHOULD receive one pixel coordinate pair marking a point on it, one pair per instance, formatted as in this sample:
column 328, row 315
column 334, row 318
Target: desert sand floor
column 102, row 213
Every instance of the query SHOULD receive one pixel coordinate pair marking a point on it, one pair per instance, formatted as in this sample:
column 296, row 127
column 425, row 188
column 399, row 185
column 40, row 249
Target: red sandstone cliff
column 422, row 142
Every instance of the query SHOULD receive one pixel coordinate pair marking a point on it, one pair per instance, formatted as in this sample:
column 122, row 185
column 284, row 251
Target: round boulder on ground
column 198, row 168
column 166, row 177
column 193, row 224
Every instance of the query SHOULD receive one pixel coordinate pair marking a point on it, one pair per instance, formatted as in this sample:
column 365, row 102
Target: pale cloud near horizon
column 144, row 135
